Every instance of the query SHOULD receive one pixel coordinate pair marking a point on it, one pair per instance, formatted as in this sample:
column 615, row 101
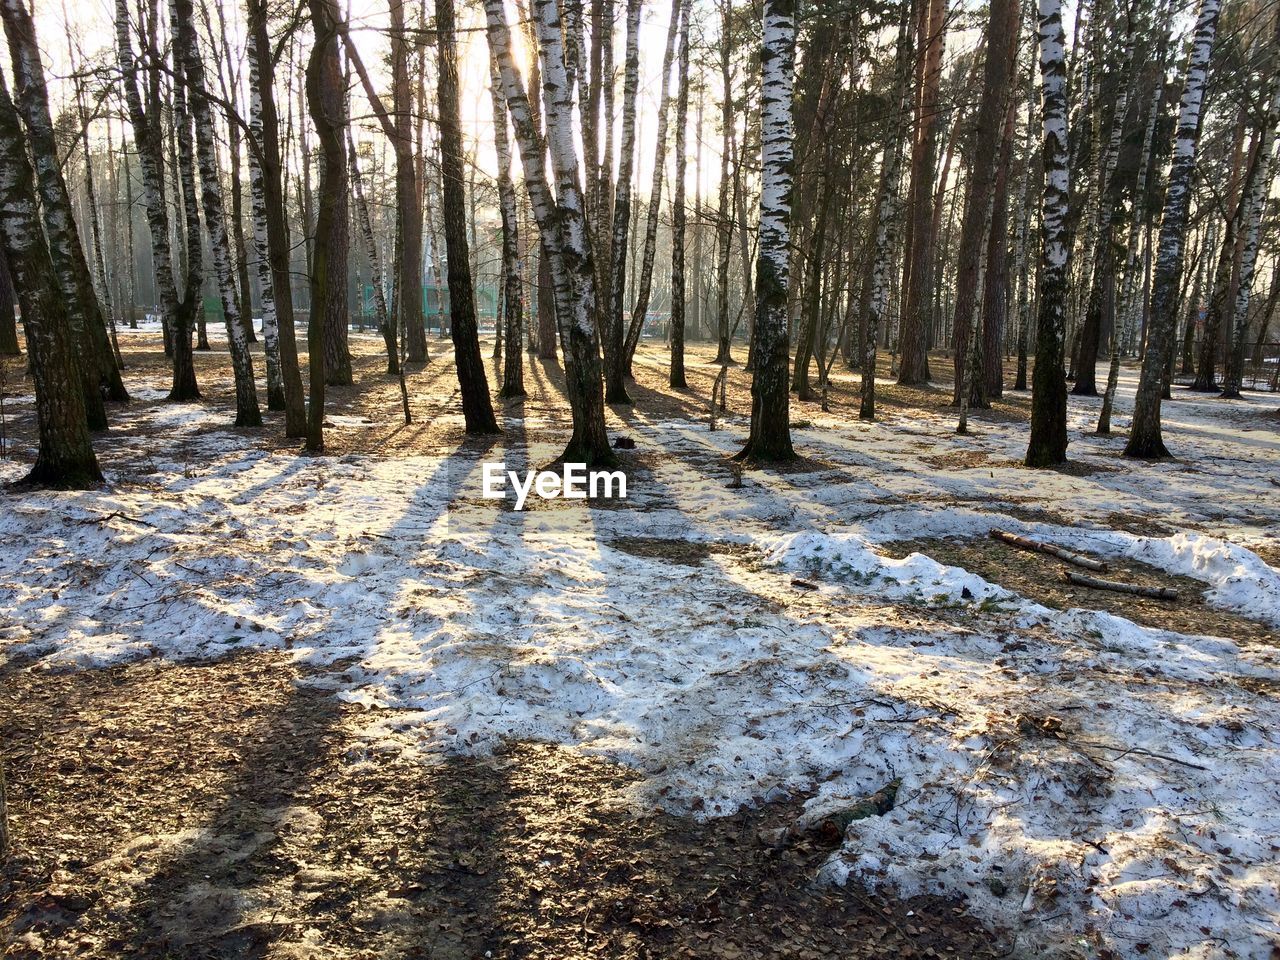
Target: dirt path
column 227, row 810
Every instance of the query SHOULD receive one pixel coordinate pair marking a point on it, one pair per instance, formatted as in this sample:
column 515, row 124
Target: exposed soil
column 227, row 809
column 1039, row 577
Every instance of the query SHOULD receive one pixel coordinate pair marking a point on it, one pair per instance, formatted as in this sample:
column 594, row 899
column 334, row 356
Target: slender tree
column 644, row 288
column 187, row 46
column 614, row 332
column 1145, row 436
column 477, row 409
column 770, row 437
column 512, row 277
column 678, row 213
column 8, row 322
column 561, row 220
column 1048, row 444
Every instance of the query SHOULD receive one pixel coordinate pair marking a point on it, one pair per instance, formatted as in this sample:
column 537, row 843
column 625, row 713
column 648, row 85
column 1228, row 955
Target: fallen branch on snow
column 1138, row 589
column 114, row 515
column 1036, row 546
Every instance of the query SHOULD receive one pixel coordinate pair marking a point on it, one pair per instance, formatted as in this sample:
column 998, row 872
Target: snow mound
column 847, row 556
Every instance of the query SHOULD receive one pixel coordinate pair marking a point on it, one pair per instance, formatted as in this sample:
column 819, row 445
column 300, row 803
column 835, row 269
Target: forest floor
column 255, row 704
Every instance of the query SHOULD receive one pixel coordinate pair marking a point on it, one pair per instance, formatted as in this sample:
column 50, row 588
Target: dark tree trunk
column 324, row 89
column 477, row 409
column 8, row 322
column 677, row 378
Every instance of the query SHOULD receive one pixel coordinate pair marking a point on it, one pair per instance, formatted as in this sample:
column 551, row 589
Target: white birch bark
column 262, row 260
column 512, row 278
column 187, row 46
column 885, row 225
column 1256, row 191
column 770, row 437
column 1048, row 442
column 1145, row 439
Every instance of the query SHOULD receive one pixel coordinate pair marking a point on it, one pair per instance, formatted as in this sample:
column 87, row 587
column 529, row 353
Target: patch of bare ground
column 1039, row 577
column 227, row 809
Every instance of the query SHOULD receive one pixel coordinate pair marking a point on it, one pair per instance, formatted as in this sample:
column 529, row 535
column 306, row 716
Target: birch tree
column 512, row 278
column 65, row 458
column 615, row 389
column 31, row 99
column 770, row 437
column 188, row 48
column 1255, row 193
column 1145, row 436
column 1048, row 443
column 885, row 223
column 270, row 227
column 677, row 377
column 561, row 221
column 177, row 313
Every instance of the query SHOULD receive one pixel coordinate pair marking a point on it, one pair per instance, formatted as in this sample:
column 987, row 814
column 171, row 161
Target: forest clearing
column 299, row 640
column 640, row 479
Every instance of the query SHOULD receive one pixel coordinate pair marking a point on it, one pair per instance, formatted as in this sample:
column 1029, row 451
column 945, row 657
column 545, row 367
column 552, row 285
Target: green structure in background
column 435, row 306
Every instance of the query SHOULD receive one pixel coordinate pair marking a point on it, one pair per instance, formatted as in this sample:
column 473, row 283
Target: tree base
column 44, row 476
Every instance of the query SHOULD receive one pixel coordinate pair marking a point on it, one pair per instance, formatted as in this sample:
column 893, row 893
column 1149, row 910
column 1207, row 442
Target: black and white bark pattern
column 770, row 437
column 560, row 219
column 1048, row 443
column 1255, row 196
column 512, row 273
column 645, row 286
column 885, row 224
column 1145, row 436
column 614, row 335
column 31, row 99
column 258, row 215
column 65, row 457
column 188, row 49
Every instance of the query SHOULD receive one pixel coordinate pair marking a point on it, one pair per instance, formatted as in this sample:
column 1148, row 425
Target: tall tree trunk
column 913, row 337
column 8, row 322
column 31, row 99
column 408, row 194
column 724, row 230
column 1255, row 194
column 270, row 225
column 477, row 409
column 989, row 123
column 65, row 458
column 561, row 221
column 614, row 333
column 337, row 349
column 324, row 91
column 1129, row 307
column 877, row 300
column 1048, row 442
column 187, row 46
column 512, row 274
column 641, row 307
column 770, row 437
column 677, row 377
column 177, row 315
column 1145, row 437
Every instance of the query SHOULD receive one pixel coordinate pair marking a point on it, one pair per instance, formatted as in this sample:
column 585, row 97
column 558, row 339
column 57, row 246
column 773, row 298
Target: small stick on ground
column 1036, row 546
column 1138, row 589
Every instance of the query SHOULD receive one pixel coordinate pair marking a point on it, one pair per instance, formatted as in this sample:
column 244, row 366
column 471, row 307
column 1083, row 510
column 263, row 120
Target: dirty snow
column 1085, row 782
